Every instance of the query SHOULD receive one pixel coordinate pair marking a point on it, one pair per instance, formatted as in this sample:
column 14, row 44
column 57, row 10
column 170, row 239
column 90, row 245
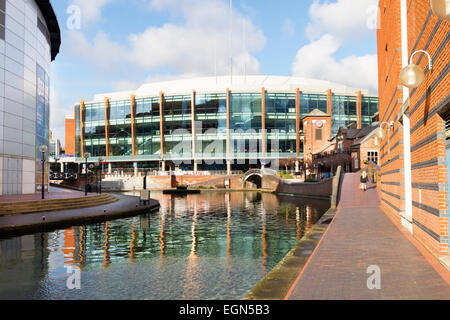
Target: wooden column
column 82, row 113
column 161, row 122
column 263, row 122
column 358, row 109
column 297, row 120
column 133, row 125
column 107, row 109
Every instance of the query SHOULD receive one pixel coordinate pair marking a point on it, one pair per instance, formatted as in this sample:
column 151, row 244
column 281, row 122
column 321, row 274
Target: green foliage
column 311, row 180
column 285, row 175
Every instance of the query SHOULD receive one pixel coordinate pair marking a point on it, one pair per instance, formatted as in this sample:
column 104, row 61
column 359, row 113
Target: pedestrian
column 363, row 180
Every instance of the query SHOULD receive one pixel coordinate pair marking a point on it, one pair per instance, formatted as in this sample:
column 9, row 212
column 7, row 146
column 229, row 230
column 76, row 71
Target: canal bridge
column 255, row 176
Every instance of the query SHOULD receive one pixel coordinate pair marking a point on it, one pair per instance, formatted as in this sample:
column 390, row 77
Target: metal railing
column 142, row 172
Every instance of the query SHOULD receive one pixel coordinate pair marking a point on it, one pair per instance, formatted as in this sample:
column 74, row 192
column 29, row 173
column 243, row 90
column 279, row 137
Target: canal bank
column 123, row 206
column 337, row 261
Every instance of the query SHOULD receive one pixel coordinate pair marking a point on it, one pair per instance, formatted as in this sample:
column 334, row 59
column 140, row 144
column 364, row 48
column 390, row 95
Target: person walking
column 363, row 180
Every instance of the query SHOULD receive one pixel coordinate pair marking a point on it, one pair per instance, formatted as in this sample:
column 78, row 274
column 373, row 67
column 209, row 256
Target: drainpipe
column 407, row 217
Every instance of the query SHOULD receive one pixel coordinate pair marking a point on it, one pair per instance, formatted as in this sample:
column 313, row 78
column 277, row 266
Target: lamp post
column 43, row 149
column 100, row 161
column 87, row 155
column 412, row 75
column 441, row 8
column 382, row 133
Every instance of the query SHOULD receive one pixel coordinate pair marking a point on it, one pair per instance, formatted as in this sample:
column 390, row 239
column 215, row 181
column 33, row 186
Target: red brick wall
column 70, row 137
column 311, row 144
column 429, row 195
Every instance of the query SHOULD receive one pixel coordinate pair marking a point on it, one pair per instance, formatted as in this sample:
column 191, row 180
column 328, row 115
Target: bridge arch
column 255, row 179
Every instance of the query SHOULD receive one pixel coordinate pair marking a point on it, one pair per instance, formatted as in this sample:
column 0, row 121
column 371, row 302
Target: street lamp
column 441, row 8
column 383, row 133
column 100, row 161
column 412, row 75
column 43, row 149
column 87, row 155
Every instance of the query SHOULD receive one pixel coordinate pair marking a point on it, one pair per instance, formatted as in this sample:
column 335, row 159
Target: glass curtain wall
column 119, row 131
column 368, row 109
column 344, row 112
column 147, row 124
column 178, row 126
column 94, row 130
column 77, row 132
column 211, row 125
column 245, row 123
column 281, row 116
column 309, row 102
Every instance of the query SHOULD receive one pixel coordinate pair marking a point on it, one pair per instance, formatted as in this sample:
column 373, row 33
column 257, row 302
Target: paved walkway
column 361, row 236
column 55, row 193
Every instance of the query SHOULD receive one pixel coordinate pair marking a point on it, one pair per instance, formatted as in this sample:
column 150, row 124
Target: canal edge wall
column 127, row 206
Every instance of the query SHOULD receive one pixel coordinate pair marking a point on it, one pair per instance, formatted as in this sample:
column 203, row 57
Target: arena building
column 213, row 123
column 29, row 41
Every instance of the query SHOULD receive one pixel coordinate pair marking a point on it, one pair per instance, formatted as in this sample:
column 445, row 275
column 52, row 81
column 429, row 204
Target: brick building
column 70, row 136
column 413, row 156
column 350, row 148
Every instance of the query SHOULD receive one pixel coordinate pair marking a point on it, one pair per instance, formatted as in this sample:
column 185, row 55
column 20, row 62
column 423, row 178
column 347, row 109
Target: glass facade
column 177, row 126
column 94, row 130
column 281, row 116
column 147, row 124
column 42, row 123
column 245, row 123
column 210, row 124
column 344, row 112
column 119, row 129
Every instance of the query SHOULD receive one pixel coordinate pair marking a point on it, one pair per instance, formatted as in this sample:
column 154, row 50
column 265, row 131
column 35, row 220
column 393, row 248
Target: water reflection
column 207, row 246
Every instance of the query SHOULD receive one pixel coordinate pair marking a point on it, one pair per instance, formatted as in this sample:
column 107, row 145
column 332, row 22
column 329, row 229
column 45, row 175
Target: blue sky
column 120, row 44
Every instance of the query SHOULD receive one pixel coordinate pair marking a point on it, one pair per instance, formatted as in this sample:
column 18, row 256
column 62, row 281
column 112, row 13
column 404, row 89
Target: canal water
column 207, row 246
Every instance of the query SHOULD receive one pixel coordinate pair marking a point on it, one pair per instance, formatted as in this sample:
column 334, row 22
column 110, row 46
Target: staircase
column 26, row 207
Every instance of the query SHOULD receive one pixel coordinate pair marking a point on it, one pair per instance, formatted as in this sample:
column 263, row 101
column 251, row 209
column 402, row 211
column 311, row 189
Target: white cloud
column 197, row 44
column 316, row 60
column 289, row 27
column 344, row 19
column 107, row 55
column 91, row 9
column 58, row 112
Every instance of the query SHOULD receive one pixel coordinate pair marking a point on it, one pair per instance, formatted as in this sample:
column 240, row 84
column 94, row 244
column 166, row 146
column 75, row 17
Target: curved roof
column 52, row 24
column 239, row 84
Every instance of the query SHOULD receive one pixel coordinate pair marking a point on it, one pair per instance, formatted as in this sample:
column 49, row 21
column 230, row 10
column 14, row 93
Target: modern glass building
column 207, row 123
column 29, row 41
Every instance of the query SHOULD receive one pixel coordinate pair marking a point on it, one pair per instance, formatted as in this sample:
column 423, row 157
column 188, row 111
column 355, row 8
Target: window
column 2, row 19
column 372, row 156
column 43, row 28
column 318, row 134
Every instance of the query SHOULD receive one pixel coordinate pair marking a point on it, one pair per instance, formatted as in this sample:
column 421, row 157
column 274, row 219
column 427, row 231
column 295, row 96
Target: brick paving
column 361, row 236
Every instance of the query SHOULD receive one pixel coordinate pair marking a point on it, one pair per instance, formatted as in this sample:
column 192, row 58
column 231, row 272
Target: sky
column 115, row 45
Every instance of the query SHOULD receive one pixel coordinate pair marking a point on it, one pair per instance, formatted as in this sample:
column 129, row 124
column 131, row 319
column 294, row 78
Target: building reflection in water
column 134, row 237
column 229, row 213
column 263, row 237
column 106, row 256
column 191, row 285
column 81, row 245
column 69, row 246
